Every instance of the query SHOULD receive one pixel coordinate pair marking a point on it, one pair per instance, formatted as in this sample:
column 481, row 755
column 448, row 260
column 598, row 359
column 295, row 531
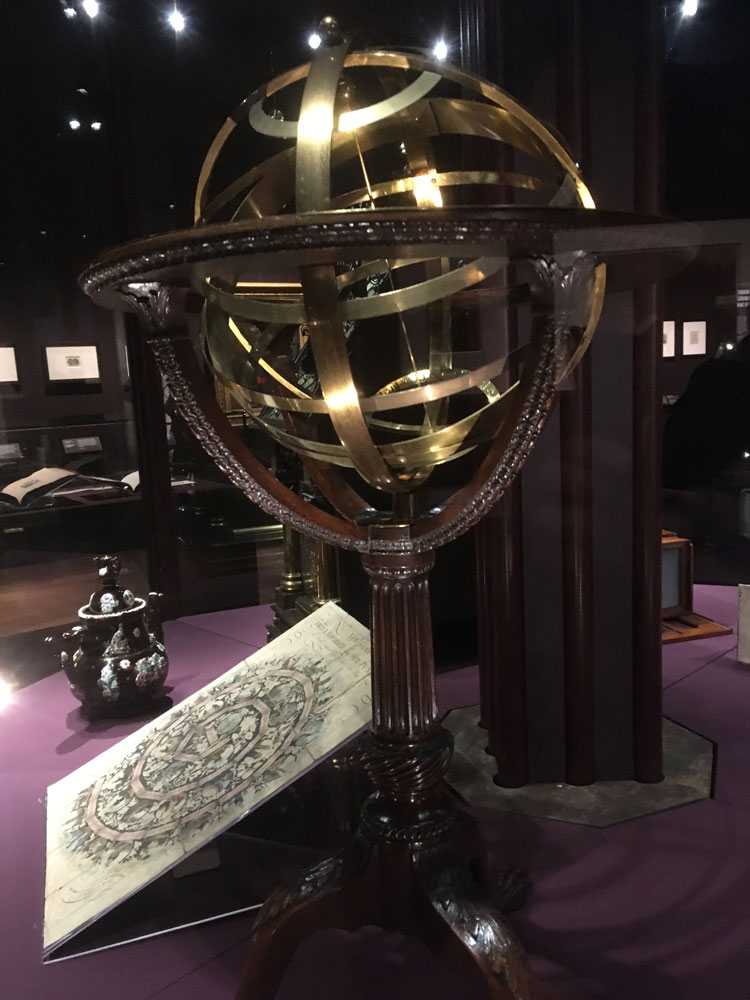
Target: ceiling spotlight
column 440, row 50
column 314, row 41
column 689, row 8
column 96, row 126
column 70, row 12
column 91, row 7
column 74, row 124
column 729, row 347
column 176, row 21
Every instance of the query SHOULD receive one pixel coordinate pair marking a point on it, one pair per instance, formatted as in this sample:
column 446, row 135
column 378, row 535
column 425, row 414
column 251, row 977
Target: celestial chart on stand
column 138, row 809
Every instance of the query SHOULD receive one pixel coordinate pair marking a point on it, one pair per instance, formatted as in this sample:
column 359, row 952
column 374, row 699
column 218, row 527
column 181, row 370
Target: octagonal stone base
column 688, row 768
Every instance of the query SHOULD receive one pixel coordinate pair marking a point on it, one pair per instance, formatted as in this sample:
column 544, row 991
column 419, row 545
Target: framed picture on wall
column 65, row 364
column 694, row 337
column 72, row 368
column 668, row 338
column 8, row 366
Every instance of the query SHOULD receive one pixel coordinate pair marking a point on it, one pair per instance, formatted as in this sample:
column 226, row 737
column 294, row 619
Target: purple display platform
column 653, row 909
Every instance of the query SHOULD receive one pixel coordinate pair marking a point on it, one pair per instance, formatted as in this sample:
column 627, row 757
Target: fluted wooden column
column 407, row 752
column 404, row 708
column 498, row 537
column 576, row 459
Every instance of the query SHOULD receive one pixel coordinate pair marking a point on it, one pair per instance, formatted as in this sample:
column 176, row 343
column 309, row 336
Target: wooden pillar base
column 405, row 869
column 430, row 892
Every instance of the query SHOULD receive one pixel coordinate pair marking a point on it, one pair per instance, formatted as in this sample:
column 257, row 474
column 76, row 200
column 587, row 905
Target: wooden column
column 404, row 709
column 498, row 537
column 153, row 465
column 407, row 752
column 647, row 436
column 575, row 460
column 502, row 647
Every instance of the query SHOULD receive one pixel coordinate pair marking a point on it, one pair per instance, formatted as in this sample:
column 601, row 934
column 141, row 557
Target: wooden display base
column 689, row 625
column 407, row 868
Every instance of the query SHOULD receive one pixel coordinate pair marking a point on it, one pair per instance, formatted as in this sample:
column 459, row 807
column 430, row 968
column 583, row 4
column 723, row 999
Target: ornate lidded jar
column 120, row 662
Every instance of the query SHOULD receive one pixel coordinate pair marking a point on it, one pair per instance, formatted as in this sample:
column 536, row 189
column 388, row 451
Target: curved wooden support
column 336, row 893
column 466, row 927
column 424, row 891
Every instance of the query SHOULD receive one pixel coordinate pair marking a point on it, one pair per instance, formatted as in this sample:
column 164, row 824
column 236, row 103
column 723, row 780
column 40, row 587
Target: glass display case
column 110, row 108
column 111, row 149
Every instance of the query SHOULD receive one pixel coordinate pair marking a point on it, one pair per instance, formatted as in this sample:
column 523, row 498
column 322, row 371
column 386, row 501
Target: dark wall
column 692, row 295
column 597, row 103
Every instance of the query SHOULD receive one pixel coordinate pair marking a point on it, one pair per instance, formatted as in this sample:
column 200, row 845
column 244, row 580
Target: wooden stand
column 405, row 869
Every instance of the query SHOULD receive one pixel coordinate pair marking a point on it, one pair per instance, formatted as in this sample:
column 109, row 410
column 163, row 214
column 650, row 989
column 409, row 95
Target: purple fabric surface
column 653, row 909
column 43, row 737
column 680, row 659
column 245, row 624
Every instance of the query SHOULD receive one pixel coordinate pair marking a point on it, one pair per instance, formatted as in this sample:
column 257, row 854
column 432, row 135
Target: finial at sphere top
column 329, row 30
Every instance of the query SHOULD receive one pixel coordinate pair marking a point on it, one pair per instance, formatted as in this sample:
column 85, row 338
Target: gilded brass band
column 348, row 120
column 316, row 125
column 250, row 333
column 410, row 456
column 335, row 376
column 386, row 304
column 504, row 118
column 275, row 178
column 405, row 98
column 300, row 402
column 490, row 92
column 448, row 178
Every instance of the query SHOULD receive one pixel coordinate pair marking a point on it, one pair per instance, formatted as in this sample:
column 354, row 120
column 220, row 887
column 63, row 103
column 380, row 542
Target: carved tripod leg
column 337, row 892
column 462, row 922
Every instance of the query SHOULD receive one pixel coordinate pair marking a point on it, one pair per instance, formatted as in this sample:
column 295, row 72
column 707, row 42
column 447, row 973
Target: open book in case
column 50, row 484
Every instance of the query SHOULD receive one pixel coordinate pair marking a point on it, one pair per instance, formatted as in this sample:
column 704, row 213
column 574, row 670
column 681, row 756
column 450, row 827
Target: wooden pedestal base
column 427, row 890
column 404, row 870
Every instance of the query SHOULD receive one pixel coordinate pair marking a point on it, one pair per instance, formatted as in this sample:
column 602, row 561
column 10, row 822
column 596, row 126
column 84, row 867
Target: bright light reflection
column 91, row 7
column 315, row 122
column 427, row 189
column 96, row 126
column 729, row 347
column 239, row 335
column 314, row 41
column 74, row 124
column 440, row 51
column 689, row 7
column 70, row 12
column 176, row 21
column 6, row 693
column 342, row 398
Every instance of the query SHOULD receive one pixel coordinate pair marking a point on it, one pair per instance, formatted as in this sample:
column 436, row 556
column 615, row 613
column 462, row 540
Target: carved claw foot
column 508, row 891
column 480, row 937
column 512, row 889
column 332, row 893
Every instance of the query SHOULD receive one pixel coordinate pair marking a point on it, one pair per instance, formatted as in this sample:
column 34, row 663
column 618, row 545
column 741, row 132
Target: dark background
column 161, row 97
